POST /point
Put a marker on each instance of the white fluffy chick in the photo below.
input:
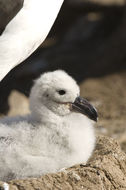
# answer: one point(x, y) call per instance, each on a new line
point(57, 134)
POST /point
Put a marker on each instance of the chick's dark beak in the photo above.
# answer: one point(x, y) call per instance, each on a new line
point(83, 106)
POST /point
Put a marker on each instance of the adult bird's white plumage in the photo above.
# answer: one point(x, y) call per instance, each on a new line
point(26, 31)
point(58, 133)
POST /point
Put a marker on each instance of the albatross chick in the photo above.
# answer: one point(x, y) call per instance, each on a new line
point(57, 134)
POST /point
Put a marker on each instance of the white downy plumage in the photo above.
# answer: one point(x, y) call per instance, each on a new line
point(26, 31)
point(55, 135)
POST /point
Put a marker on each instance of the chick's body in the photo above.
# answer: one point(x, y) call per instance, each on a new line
point(44, 141)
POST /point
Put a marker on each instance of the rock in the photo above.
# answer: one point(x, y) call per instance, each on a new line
point(105, 170)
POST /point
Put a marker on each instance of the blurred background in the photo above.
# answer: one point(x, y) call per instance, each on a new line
point(88, 40)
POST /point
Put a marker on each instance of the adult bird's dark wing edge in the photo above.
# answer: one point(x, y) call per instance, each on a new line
point(8, 9)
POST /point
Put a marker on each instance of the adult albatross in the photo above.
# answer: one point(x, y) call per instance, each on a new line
point(23, 33)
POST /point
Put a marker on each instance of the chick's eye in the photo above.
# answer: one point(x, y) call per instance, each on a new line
point(61, 92)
